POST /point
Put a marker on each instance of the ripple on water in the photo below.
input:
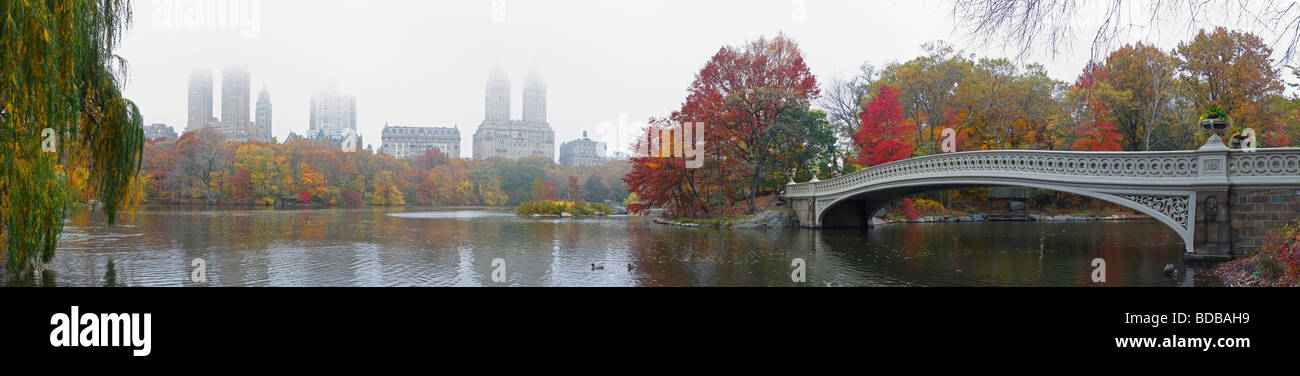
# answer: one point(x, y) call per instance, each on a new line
point(453, 214)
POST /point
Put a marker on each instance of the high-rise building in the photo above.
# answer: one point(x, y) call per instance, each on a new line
point(534, 98)
point(498, 136)
point(235, 93)
point(582, 152)
point(402, 142)
point(497, 101)
point(332, 116)
point(200, 99)
point(262, 128)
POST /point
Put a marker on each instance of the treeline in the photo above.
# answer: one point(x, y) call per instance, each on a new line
point(200, 167)
point(767, 120)
point(1138, 98)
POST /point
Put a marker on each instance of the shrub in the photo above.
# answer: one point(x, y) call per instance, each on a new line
point(1278, 262)
point(929, 207)
point(910, 209)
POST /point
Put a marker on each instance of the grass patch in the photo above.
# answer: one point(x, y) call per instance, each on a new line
point(714, 222)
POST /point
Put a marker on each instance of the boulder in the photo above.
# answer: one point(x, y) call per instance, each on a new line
point(566, 215)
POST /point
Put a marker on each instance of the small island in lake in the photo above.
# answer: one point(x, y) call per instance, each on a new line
point(561, 209)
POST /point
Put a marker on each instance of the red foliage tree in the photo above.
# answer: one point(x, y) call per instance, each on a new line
point(1096, 133)
point(882, 138)
point(574, 191)
point(352, 198)
point(667, 183)
point(1097, 136)
point(910, 209)
point(242, 187)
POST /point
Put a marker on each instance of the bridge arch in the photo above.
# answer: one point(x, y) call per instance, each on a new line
point(1173, 208)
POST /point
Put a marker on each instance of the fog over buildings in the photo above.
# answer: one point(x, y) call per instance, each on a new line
point(425, 62)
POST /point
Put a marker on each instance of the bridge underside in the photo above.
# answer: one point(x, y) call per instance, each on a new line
point(1175, 208)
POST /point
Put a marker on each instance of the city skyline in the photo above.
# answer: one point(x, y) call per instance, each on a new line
point(423, 63)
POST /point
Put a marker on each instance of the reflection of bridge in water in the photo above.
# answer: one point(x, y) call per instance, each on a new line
point(1219, 201)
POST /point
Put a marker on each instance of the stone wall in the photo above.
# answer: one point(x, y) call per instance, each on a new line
point(1256, 212)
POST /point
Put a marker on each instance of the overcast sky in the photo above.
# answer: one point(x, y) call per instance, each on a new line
point(425, 63)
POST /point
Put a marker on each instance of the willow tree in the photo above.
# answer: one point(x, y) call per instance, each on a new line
point(58, 72)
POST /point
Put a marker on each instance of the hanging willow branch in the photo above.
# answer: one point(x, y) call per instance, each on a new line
point(60, 73)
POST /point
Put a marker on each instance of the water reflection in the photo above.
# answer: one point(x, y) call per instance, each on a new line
point(455, 247)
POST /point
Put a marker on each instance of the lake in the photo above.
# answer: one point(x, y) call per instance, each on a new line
point(457, 246)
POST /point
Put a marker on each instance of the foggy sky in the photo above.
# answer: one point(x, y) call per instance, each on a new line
point(425, 63)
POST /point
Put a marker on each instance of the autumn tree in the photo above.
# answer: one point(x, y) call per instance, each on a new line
point(884, 134)
point(543, 190)
point(741, 92)
point(1089, 97)
point(1233, 70)
point(242, 187)
point(666, 182)
point(202, 156)
point(573, 191)
point(927, 91)
point(1146, 84)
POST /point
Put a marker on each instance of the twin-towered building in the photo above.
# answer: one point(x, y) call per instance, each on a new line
point(234, 124)
point(499, 136)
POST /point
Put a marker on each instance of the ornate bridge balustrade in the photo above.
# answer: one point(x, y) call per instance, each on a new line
point(1219, 201)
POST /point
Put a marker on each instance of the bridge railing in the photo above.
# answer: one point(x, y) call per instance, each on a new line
point(1161, 168)
point(1275, 162)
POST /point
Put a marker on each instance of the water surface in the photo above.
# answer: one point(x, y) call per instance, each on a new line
point(456, 246)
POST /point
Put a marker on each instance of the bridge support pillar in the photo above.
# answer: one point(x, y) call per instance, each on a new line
point(805, 211)
point(1212, 229)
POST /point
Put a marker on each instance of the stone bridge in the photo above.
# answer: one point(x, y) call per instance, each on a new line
point(1220, 201)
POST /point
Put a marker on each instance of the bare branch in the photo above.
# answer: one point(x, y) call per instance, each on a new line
point(1029, 26)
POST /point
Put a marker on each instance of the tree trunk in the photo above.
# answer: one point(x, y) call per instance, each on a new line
point(753, 193)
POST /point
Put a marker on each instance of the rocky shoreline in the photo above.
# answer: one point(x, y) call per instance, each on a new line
point(765, 220)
